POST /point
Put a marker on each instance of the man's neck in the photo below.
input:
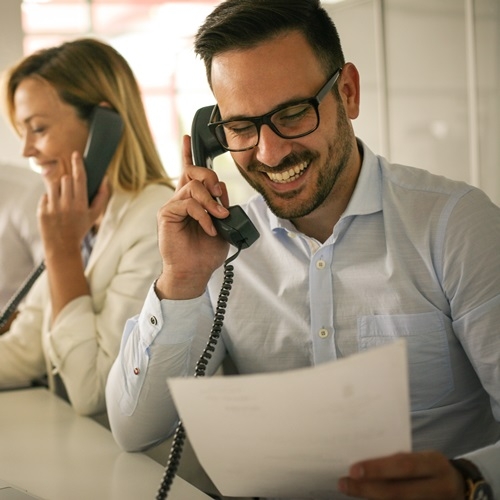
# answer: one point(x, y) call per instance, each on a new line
point(320, 222)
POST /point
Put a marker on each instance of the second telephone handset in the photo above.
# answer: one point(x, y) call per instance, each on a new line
point(105, 132)
point(237, 228)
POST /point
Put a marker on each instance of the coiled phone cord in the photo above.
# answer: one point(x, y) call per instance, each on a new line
point(16, 299)
point(180, 434)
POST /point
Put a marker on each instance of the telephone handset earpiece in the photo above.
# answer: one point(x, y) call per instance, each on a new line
point(105, 132)
point(236, 228)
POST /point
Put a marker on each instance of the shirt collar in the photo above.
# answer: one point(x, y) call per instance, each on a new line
point(367, 195)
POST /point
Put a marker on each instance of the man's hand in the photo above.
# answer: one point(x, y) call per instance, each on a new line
point(190, 248)
point(405, 476)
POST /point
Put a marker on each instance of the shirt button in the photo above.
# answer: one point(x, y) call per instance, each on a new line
point(323, 333)
point(137, 371)
point(321, 264)
point(153, 320)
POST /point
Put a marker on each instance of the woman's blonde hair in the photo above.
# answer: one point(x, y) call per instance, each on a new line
point(87, 72)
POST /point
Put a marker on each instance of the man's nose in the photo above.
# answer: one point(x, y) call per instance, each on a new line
point(272, 148)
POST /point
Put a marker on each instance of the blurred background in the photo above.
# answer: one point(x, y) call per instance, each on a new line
point(430, 74)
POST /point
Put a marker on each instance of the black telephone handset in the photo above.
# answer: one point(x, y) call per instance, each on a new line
point(236, 228)
point(105, 132)
point(106, 129)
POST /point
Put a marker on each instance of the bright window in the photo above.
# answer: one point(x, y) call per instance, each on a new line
point(156, 37)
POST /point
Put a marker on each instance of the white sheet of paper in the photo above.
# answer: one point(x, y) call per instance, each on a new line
point(295, 433)
point(181, 490)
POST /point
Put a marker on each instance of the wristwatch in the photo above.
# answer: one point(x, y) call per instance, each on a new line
point(476, 488)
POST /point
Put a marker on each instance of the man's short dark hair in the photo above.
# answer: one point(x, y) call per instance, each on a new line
point(243, 24)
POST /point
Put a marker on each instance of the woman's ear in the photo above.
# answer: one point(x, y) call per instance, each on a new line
point(349, 90)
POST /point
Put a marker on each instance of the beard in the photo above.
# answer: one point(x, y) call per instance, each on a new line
point(339, 152)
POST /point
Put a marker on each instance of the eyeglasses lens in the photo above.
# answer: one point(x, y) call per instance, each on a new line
point(290, 122)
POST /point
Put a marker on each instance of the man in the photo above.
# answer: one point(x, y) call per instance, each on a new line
point(353, 253)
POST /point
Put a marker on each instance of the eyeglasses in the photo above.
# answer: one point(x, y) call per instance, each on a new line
point(289, 121)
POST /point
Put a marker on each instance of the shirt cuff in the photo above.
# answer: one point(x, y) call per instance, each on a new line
point(488, 462)
point(169, 322)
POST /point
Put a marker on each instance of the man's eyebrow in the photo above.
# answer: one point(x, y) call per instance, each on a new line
point(284, 104)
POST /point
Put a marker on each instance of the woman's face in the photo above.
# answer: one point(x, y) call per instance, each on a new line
point(49, 127)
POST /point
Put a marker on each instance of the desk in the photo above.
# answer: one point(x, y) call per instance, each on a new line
point(53, 453)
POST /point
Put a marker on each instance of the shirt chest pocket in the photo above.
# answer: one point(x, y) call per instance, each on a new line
point(431, 377)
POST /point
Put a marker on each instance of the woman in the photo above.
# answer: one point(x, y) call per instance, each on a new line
point(100, 259)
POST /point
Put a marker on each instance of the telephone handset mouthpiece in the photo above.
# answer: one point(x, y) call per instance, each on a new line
point(236, 228)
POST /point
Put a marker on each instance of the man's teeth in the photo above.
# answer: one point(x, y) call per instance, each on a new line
point(289, 175)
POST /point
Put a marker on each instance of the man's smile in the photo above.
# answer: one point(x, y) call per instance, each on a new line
point(288, 175)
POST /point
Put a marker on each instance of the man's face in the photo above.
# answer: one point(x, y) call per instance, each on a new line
point(295, 176)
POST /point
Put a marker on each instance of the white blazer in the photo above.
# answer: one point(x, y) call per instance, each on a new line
point(83, 342)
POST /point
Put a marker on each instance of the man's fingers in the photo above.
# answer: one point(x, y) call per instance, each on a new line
point(198, 192)
point(405, 476)
point(401, 465)
point(192, 172)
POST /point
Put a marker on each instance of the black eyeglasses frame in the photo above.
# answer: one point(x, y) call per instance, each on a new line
point(265, 119)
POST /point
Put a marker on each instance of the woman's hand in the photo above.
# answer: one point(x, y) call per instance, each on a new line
point(64, 215)
point(65, 218)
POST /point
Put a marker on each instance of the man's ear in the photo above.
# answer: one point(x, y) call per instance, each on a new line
point(349, 90)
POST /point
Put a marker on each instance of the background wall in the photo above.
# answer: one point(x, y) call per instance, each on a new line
point(430, 78)
point(11, 49)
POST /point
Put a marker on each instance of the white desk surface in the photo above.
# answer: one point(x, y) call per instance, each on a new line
point(48, 450)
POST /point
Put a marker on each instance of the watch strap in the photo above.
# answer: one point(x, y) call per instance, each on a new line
point(474, 480)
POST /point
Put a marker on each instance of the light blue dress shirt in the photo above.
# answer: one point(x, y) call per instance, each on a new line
point(414, 255)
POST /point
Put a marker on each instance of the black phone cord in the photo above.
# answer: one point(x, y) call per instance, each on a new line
point(23, 290)
point(180, 434)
